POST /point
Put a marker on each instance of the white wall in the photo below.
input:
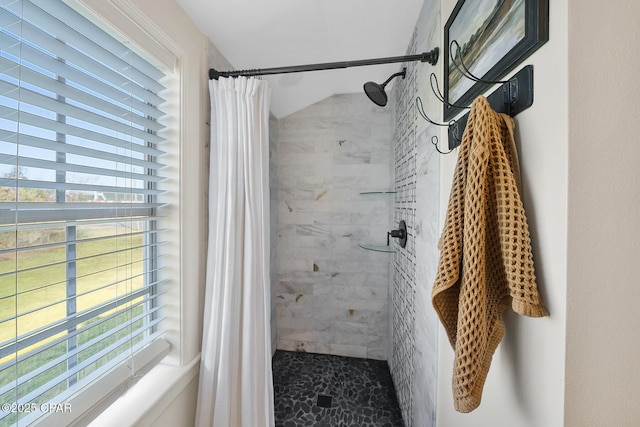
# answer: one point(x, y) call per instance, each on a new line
point(603, 283)
point(579, 154)
point(525, 385)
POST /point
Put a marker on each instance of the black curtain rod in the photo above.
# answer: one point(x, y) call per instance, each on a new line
point(430, 57)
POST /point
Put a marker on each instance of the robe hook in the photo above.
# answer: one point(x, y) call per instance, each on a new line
point(463, 69)
point(452, 125)
point(435, 141)
point(435, 88)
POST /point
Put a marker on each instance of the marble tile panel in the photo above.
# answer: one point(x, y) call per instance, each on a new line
point(273, 226)
point(292, 170)
point(378, 352)
point(305, 234)
point(331, 218)
point(379, 144)
point(296, 193)
point(353, 230)
point(289, 143)
point(289, 310)
point(348, 291)
point(325, 335)
point(313, 182)
point(353, 170)
point(374, 319)
point(319, 302)
point(325, 260)
point(304, 325)
point(361, 206)
point(338, 265)
point(296, 287)
point(379, 328)
point(378, 218)
point(305, 159)
point(377, 340)
point(321, 125)
point(287, 216)
point(293, 264)
point(348, 350)
point(331, 194)
point(342, 327)
point(332, 243)
point(374, 182)
point(311, 335)
point(351, 158)
point(287, 182)
point(376, 281)
point(308, 127)
point(285, 232)
point(307, 276)
point(323, 348)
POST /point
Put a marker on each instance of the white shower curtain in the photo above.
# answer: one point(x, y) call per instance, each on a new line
point(236, 387)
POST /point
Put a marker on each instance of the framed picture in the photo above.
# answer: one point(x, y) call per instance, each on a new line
point(493, 36)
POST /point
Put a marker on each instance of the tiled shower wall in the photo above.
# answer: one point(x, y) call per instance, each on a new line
point(332, 295)
point(403, 292)
point(273, 210)
point(414, 324)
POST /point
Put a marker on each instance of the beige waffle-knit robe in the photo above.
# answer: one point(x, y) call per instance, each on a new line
point(485, 251)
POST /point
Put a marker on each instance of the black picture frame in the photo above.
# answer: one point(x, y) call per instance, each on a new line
point(495, 36)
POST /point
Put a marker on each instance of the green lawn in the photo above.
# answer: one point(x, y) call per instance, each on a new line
point(38, 287)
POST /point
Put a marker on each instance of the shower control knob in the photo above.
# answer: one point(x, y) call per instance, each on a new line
point(397, 233)
point(400, 233)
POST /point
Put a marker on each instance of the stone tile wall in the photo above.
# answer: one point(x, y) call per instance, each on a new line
point(414, 331)
point(332, 295)
point(403, 266)
point(273, 208)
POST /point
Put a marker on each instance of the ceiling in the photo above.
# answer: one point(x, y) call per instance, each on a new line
point(276, 33)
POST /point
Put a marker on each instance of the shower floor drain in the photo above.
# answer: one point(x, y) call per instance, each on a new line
point(324, 401)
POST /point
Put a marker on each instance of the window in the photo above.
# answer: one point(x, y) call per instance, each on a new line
point(80, 190)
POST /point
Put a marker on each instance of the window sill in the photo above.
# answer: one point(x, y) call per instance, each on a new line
point(143, 403)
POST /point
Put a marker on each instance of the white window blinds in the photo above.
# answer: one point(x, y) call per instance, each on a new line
point(80, 188)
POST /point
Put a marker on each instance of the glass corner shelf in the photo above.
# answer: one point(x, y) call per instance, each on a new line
point(377, 192)
point(378, 248)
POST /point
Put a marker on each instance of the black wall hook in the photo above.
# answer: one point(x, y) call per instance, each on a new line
point(452, 125)
point(512, 97)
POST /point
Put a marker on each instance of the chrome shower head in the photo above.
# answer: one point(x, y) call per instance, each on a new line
point(375, 91)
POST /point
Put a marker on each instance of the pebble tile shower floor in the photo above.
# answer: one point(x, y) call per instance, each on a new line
point(333, 391)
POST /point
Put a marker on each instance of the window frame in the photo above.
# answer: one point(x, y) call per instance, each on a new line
point(162, 29)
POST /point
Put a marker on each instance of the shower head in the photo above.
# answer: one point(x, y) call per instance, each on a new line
point(375, 91)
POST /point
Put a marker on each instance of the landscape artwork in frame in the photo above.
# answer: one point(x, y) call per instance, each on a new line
point(493, 36)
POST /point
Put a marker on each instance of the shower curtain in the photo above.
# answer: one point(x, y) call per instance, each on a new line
point(236, 387)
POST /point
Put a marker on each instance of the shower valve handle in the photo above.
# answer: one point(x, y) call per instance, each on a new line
point(400, 233)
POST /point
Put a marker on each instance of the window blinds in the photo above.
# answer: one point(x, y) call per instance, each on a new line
point(80, 189)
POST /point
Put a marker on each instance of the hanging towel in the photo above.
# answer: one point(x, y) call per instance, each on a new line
point(485, 251)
